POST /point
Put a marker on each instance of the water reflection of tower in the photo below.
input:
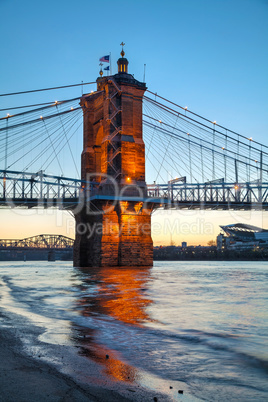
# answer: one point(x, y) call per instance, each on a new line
point(119, 293)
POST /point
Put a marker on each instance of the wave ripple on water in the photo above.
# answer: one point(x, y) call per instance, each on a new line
point(200, 325)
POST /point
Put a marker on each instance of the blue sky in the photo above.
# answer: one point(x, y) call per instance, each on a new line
point(210, 55)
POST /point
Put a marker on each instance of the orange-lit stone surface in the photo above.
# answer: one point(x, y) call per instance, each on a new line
point(97, 237)
point(114, 156)
point(106, 110)
point(119, 236)
point(135, 242)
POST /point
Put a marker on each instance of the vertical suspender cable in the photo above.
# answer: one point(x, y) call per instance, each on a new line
point(237, 155)
point(6, 146)
point(166, 150)
point(190, 158)
point(213, 156)
point(261, 166)
point(67, 140)
point(202, 162)
point(52, 145)
point(236, 171)
point(249, 158)
point(225, 168)
point(260, 184)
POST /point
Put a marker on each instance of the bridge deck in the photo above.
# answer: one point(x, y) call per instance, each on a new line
point(165, 203)
point(20, 189)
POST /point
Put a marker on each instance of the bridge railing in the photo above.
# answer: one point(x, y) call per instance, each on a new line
point(215, 194)
point(23, 185)
point(39, 189)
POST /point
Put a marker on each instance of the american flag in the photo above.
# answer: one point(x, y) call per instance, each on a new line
point(105, 58)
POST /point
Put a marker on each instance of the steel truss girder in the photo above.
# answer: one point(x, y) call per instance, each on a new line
point(20, 189)
point(44, 241)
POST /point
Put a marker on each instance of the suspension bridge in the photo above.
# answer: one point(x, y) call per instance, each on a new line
point(191, 161)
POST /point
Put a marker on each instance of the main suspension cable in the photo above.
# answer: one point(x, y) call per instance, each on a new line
point(48, 89)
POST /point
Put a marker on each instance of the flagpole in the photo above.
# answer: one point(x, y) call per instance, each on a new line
point(111, 63)
point(144, 73)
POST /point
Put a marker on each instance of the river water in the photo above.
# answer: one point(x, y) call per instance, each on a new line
point(200, 327)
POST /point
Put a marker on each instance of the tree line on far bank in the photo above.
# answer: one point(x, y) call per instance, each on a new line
point(173, 253)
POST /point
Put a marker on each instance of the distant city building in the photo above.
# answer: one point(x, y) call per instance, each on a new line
point(240, 236)
point(184, 244)
point(220, 242)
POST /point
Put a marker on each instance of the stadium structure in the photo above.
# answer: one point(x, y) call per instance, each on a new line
point(240, 235)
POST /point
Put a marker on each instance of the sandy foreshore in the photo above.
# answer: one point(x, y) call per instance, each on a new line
point(25, 378)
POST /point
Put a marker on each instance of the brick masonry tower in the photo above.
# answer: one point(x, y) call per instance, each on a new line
point(113, 228)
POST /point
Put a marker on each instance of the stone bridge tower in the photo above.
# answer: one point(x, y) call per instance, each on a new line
point(113, 228)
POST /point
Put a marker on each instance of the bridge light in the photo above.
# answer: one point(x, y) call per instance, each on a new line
point(236, 187)
point(223, 148)
point(188, 133)
point(8, 115)
point(250, 139)
point(214, 122)
point(56, 102)
point(186, 107)
point(160, 121)
point(128, 179)
point(41, 117)
point(256, 161)
point(72, 108)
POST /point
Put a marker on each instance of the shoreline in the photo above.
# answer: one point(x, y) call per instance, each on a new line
point(25, 378)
